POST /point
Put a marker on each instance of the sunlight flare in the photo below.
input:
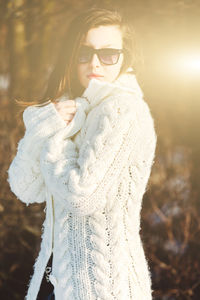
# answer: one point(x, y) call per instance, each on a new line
point(189, 64)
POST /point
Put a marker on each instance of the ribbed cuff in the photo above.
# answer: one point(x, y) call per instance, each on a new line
point(45, 119)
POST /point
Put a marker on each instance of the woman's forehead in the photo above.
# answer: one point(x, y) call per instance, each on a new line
point(103, 36)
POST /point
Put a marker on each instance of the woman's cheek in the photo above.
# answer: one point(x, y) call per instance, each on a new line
point(112, 75)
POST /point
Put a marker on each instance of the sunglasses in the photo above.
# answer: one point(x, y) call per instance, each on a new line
point(107, 56)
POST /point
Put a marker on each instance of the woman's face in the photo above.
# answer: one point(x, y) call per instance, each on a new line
point(108, 36)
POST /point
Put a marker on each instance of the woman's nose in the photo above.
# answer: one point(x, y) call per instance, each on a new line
point(95, 60)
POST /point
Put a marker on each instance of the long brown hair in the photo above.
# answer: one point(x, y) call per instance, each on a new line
point(63, 78)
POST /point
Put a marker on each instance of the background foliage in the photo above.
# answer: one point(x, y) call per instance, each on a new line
point(30, 31)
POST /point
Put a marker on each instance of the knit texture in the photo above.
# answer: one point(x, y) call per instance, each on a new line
point(92, 174)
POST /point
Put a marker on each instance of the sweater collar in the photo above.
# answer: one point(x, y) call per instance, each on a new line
point(98, 90)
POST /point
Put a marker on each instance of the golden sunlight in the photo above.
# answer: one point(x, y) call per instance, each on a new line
point(189, 64)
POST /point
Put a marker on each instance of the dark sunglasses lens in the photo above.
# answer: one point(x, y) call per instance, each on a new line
point(84, 55)
point(109, 56)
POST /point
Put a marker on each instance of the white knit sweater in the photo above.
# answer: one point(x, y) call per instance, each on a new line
point(92, 174)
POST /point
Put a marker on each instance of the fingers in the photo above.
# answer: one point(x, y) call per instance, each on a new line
point(70, 102)
point(69, 108)
point(66, 109)
point(68, 117)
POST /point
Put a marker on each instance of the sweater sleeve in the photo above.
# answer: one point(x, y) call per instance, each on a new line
point(24, 175)
point(80, 177)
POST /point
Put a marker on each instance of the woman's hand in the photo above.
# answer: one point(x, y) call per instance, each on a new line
point(66, 109)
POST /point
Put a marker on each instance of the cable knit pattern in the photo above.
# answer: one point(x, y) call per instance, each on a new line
point(93, 174)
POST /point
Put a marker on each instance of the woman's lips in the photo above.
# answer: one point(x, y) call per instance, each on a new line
point(94, 76)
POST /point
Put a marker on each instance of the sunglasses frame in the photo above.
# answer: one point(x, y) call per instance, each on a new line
point(98, 52)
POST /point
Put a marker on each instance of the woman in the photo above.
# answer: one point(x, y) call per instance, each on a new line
point(88, 153)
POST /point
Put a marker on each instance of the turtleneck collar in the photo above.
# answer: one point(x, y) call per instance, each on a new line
point(98, 90)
